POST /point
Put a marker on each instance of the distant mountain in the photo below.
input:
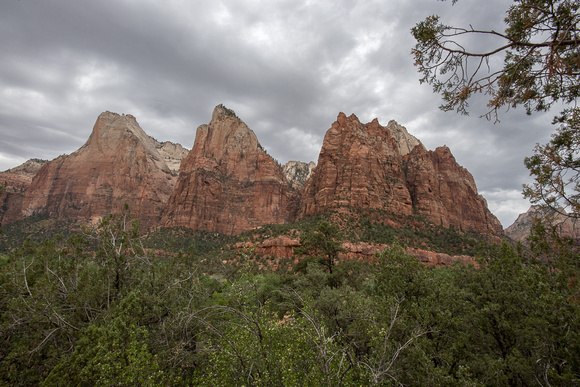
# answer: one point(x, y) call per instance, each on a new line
point(565, 226)
point(298, 172)
point(228, 183)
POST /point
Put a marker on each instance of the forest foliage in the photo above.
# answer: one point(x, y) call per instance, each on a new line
point(99, 308)
point(534, 63)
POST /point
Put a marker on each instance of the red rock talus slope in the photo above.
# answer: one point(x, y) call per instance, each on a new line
point(374, 167)
point(228, 183)
point(118, 164)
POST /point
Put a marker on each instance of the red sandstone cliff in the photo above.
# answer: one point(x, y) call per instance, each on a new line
point(446, 193)
point(118, 164)
point(374, 167)
point(358, 166)
point(13, 184)
point(228, 183)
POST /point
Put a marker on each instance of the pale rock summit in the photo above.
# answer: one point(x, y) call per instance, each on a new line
point(297, 172)
point(28, 168)
point(405, 141)
point(172, 154)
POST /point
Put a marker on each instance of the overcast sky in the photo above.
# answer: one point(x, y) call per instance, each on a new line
point(287, 68)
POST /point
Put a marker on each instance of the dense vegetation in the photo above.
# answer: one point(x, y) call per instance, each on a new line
point(98, 308)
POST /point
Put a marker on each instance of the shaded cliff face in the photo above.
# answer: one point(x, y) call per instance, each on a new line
point(13, 183)
point(446, 193)
point(358, 166)
point(118, 164)
point(228, 183)
point(385, 168)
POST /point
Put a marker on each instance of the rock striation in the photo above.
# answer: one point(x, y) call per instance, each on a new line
point(359, 165)
point(446, 193)
point(228, 183)
point(118, 164)
point(385, 168)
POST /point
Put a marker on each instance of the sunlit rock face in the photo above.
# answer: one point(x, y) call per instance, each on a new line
point(228, 183)
point(118, 164)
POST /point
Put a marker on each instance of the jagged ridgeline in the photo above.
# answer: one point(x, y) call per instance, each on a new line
point(227, 183)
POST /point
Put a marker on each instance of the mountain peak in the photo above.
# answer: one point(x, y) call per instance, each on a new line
point(118, 164)
point(228, 183)
point(222, 111)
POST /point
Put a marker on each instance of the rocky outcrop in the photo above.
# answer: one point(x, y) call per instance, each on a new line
point(228, 183)
point(172, 154)
point(297, 172)
point(280, 247)
point(359, 166)
point(445, 192)
point(566, 226)
point(118, 164)
point(283, 247)
point(13, 184)
point(385, 168)
point(28, 169)
point(405, 142)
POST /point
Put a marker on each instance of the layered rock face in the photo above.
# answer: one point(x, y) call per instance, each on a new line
point(228, 183)
point(13, 183)
point(446, 193)
point(385, 168)
point(118, 164)
point(566, 226)
point(358, 166)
